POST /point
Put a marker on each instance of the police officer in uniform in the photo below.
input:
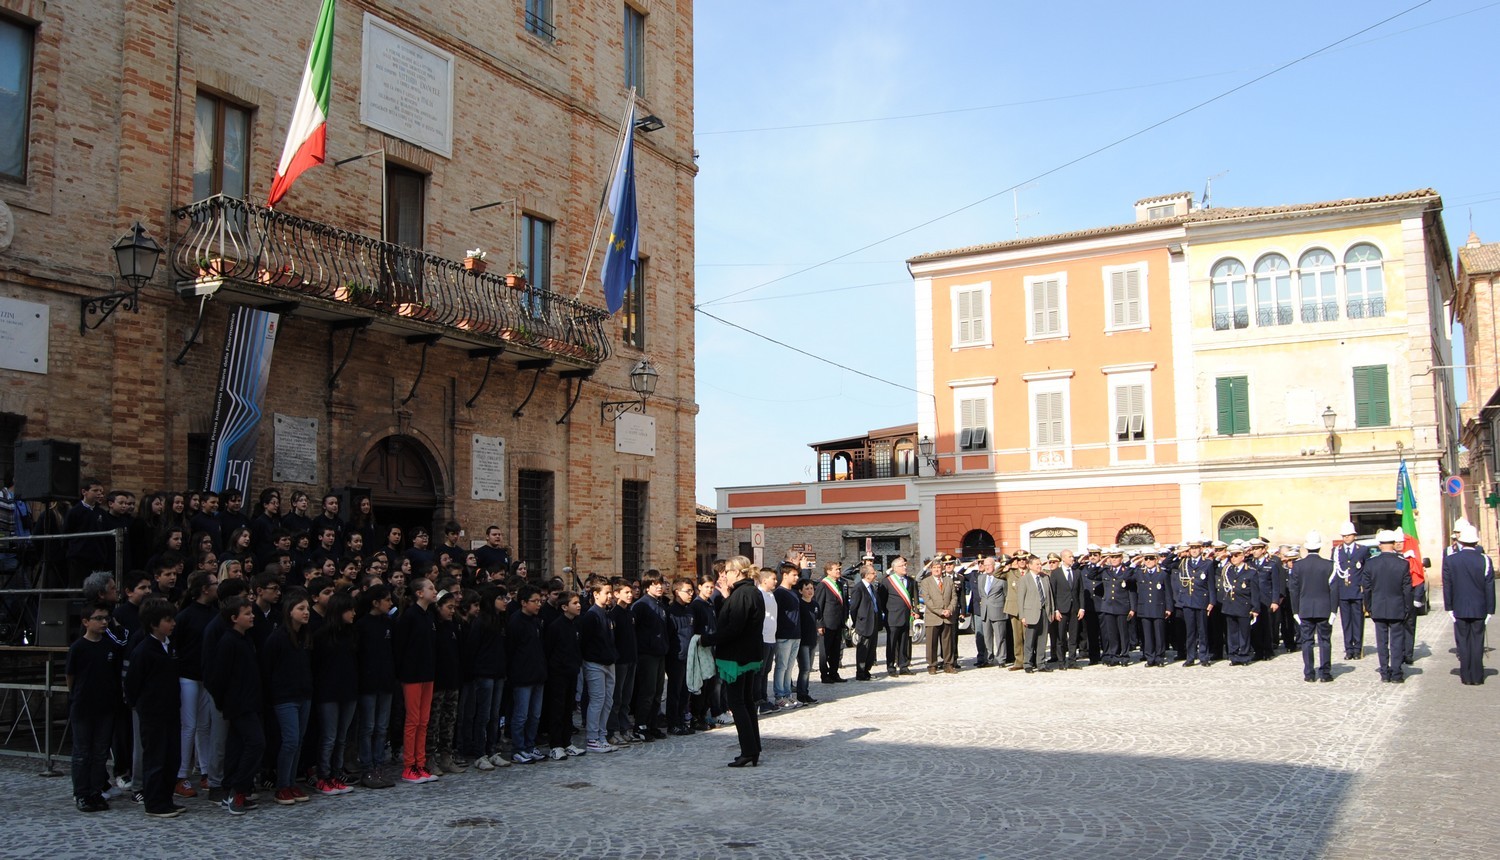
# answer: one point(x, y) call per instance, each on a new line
point(1193, 581)
point(1153, 606)
point(1312, 593)
point(1387, 586)
point(1239, 596)
point(1469, 594)
point(1348, 564)
point(1115, 601)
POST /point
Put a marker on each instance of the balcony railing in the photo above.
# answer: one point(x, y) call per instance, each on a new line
point(1320, 311)
point(1363, 309)
point(229, 239)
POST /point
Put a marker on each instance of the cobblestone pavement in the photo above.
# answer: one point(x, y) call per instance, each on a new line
point(1224, 762)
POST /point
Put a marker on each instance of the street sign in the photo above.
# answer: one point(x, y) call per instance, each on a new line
point(1454, 486)
point(758, 544)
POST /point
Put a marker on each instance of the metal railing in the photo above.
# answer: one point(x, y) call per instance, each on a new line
point(1236, 319)
point(1362, 309)
point(1279, 315)
point(1320, 311)
point(227, 238)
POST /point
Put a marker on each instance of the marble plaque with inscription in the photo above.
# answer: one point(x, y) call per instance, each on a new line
point(406, 87)
point(635, 434)
point(296, 460)
point(23, 335)
point(489, 468)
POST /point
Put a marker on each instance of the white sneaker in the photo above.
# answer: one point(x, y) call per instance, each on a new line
point(597, 747)
point(499, 760)
point(574, 751)
point(558, 754)
point(483, 763)
point(725, 719)
point(789, 703)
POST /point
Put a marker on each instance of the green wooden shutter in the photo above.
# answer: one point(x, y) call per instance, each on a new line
point(1233, 404)
point(1225, 390)
point(1241, 404)
point(1372, 402)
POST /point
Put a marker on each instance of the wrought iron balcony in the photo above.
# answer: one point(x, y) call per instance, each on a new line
point(264, 257)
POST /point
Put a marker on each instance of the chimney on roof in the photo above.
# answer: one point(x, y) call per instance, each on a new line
point(1473, 240)
point(1167, 206)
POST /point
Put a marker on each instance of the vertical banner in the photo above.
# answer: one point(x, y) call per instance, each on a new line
point(242, 388)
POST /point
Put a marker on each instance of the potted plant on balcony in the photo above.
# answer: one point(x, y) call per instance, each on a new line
point(417, 311)
point(354, 292)
point(214, 267)
point(517, 332)
point(516, 277)
point(474, 261)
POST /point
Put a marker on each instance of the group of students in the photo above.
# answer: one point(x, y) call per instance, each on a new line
point(263, 687)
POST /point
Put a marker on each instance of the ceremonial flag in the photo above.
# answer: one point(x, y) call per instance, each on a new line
point(1406, 503)
point(622, 252)
point(306, 139)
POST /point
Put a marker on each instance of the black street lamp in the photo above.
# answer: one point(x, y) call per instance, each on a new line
point(136, 256)
point(1329, 419)
point(643, 382)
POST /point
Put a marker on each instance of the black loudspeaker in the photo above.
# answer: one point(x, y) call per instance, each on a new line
point(59, 621)
point(47, 470)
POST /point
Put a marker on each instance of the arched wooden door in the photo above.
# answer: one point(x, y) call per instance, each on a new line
point(402, 477)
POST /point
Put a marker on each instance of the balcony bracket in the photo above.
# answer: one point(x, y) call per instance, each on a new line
point(425, 340)
point(192, 339)
point(357, 326)
point(489, 361)
point(539, 365)
point(568, 376)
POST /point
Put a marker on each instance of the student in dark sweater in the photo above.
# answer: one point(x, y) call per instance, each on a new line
point(809, 641)
point(679, 636)
point(286, 662)
point(199, 608)
point(93, 673)
point(151, 688)
point(235, 682)
point(526, 674)
point(596, 643)
point(377, 681)
point(707, 704)
point(447, 678)
point(335, 654)
point(621, 729)
point(563, 662)
point(416, 658)
point(650, 615)
point(484, 665)
point(125, 632)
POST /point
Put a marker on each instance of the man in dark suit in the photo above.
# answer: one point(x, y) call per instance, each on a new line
point(898, 594)
point(1034, 608)
point(1312, 594)
point(864, 608)
point(973, 582)
point(832, 612)
point(1067, 608)
point(1387, 584)
point(1348, 563)
point(1469, 595)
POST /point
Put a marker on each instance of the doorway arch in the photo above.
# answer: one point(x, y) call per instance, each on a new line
point(404, 483)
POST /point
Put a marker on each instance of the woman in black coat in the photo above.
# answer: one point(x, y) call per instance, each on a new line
point(737, 654)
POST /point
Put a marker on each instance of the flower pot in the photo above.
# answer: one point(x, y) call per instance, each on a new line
point(473, 325)
point(475, 265)
point(515, 282)
point(416, 311)
point(214, 268)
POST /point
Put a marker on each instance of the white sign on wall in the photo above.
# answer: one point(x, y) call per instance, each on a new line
point(635, 434)
point(296, 459)
point(23, 335)
point(488, 467)
point(406, 87)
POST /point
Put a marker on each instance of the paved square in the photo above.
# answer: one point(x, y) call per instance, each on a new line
point(1131, 762)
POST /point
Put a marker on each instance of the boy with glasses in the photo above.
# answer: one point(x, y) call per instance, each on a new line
point(93, 673)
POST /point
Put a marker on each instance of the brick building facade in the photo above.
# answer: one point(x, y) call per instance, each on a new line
point(126, 114)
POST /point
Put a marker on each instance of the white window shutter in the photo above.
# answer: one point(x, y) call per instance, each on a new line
point(1054, 307)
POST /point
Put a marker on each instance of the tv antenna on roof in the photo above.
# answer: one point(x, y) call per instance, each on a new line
point(1015, 199)
point(1208, 187)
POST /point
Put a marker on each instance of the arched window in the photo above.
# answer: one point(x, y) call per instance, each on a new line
point(1364, 282)
point(906, 457)
point(1230, 295)
point(843, 466)
point(1317, 277)
point(978, 542)
point(1135, 534)
point(1238, 525)
point(1273, 290)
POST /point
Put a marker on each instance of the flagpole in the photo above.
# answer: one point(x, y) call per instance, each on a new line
point(614, 165)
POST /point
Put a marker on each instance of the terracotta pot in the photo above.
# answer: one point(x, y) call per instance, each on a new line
point(516, 282)
point(475, 265)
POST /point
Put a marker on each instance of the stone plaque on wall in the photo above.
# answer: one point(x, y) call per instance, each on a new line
point(406, 87)
point(489, 468)
point(635, 434)
point(296, 457)
point(23, 335)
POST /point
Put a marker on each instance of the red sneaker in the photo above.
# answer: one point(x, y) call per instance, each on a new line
point(299, 795)
point(184, 788)
point(285, 796)
point(325, 787)
point(413, 775)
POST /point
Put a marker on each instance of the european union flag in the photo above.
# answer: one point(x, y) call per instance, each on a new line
point(622, 251)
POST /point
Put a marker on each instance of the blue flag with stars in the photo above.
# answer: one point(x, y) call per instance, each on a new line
point(622, 252)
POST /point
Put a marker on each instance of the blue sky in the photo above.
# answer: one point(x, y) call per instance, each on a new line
point(1013, 91)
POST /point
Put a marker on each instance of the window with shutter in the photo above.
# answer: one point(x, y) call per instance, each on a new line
point(1372, 406)
point(1045, 300)
point(1233, 396)
point(1049, 419)
point(973, 413)
point(969, 313)
point(1125, 296)
point(1130, 412)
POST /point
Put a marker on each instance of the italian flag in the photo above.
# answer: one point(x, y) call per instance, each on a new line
point(306, 139)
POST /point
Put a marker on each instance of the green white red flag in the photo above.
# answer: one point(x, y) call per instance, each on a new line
point(306, 139)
